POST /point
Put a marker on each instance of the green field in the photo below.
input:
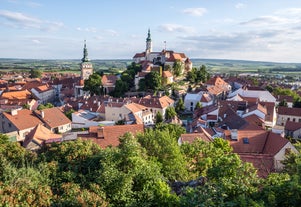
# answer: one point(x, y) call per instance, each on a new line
point(214, 66)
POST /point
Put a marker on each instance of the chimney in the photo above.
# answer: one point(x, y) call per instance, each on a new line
point(42, 114)
point(100, 134)
point(234, 134)
point(98, 103)
point(14, 112)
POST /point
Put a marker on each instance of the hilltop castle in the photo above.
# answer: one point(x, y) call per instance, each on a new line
point(165, 57)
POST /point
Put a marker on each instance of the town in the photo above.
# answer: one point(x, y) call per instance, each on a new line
point(259, 119)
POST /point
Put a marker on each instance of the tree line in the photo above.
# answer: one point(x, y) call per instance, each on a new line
point(142, 171)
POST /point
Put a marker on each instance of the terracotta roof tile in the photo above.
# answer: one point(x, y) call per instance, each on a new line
point(109, 135)
point(24, 119)
point(289, 111)
point(292, 126)
point(189, 138)
point(53, 117)
point(41, 135)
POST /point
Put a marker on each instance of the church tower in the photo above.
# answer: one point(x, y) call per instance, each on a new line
point(148, 43)
point(86, 66)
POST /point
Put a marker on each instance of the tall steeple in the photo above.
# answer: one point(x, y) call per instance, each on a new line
point(86, 65)
point(148, 42)
point(85, 57)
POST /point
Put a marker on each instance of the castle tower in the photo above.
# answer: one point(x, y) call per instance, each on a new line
point(86, 66)
point(148, 43)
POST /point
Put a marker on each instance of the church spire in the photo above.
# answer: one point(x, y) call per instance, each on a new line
point(148, 36)
point(148, 42)
point(85, 58)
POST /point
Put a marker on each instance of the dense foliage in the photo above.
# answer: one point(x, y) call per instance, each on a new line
point(141, 172)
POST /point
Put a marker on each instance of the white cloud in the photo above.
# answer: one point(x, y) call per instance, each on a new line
point(20, 20)
point(240, 6)
point(195, 11)
point(289, 11)
point(36, 41)
point(269, 20)
point(111, 32)
point(175, 28)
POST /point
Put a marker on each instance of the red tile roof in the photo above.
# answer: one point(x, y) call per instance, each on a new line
point(289, 111)
point(53, 117)
point(41, 135)
point(24, 119)
point(189, 138)
point(292, 126)
point(109, 135)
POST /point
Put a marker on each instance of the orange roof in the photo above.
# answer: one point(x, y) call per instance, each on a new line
point(133, 107)
point(109, 135)
point(41, 135)
point(24, 94)
point(24, 119)
point(53, 117)
point(189, 138)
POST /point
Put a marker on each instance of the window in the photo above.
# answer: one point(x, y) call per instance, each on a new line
point(245, 140)
point(9, 125)
point(288, 119)
point(191, 103)
point(294, 120)
point(299, 120)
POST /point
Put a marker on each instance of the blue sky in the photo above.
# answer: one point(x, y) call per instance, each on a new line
point(263, 30)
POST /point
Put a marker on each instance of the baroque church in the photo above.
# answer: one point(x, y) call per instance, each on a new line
point(86, 68)
point(148, 58)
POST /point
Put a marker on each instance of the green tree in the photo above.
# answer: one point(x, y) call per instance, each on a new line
point(159, 118)
point(180, 106)
point(69, 113)
point(45, 106)
point(163, 146)
point(153, 80)
point(93, 84)
point(135, 67)
point(177, 68)
point(170, 113)
point(121, 87)
point(35, 73)
point(198, 105)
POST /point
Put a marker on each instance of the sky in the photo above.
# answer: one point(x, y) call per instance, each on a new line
point(260, 30)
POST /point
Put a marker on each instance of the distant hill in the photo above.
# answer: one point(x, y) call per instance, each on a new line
point(117, 65)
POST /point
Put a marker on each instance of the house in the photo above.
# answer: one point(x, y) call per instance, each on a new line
point(293, 129)
point(21, 121)
point(54, 119)
point(285, 114)
point(205, 116)
point(164, 58)
point(106, 136)
point(264, 149)
point(167, 77)
point(85, 119)
point(288, 100)
point(39, 137)
point(191, 100)
point(108, 83)
point(13, 99)
point(155, 104)
point(263, 96)
point(130, 112)
point(44, 94)
point(191, 137)
point(217, 87)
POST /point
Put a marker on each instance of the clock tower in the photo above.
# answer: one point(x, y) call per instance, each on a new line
point(86, 66)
